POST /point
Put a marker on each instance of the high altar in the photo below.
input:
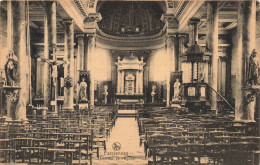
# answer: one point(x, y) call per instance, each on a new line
point(130, 71)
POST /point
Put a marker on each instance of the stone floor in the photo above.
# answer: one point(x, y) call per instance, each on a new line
point(125, 134)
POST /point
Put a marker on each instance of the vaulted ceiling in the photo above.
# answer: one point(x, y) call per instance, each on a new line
point(131, 18)
point(133, 21)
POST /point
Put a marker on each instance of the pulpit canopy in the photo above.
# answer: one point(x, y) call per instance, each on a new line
point(196, 53)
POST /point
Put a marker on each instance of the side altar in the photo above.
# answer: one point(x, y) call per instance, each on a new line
point(130, 71)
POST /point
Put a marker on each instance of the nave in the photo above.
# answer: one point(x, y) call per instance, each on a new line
point(154, 136)
point(71, 71)
point(126, 134)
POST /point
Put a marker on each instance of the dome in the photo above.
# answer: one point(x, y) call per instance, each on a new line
point(131, 18)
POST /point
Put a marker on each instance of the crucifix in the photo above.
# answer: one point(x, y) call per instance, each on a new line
point(54, 64)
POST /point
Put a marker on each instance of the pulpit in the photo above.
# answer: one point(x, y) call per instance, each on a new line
point(130, 79)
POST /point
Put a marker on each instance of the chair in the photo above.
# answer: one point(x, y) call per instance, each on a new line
point(6, 151)
point(163, 150)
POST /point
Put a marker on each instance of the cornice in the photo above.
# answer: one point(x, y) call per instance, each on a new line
point(73, 12)
point(90, 23)
point(130, 43)
point(192, 8)
point(81, 7)
point(180, 8)
point(130, 38)
point(126, 47)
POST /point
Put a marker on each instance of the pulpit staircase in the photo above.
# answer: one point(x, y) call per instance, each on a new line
point(224, 106)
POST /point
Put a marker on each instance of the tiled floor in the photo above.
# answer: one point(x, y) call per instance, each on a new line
point(126, 134)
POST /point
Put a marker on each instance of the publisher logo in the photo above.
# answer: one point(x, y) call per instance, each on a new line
point(116, 146)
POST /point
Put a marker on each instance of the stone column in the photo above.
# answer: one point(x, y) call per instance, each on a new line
point(141, 78)
point(79, 63)
point(19, 45)
point(172, 28)
point(69, 67)
point(123, 81)
point(91, 47)
point(50, 41)
point(137, 82)
point(118, 81)
point(9, 47)
point(246, 44)
point(85, 61)
point(46, 68)
point(176, 60)
point(50, 9)
point(9, 26)
point(239, 73)
point(212, 46)
point(182, 39)
point(80, 56)
point(171, 57)
point(90, 24)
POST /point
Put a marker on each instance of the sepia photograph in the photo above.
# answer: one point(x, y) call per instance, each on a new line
point(129, 82)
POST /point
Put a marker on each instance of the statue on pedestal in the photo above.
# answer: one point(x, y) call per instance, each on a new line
point(105, 93)
point(11, 67)
point(176, 87)
point(153, 92)
point(83, 98)
point(253, 69)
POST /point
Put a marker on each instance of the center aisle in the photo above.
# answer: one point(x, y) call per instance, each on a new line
point(125, 134)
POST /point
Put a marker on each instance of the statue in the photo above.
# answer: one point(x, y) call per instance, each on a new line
point(153, 92)
point(253, 68)
point(54, 64)
point(106, 88)
point(106, 93)
point(11, 69)
point(176, 87)
point(83, 90)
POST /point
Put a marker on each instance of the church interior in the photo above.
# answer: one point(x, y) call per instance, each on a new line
point(157, 82)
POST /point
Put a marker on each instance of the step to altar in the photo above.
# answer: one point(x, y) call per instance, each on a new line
point(127, 113)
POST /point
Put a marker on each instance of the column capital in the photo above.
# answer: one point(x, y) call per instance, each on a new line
point(180, 35)
point(171, 35)
point(216, 2)
point(93, 17)
point(90, 22)
point(169, 18)
point(49, 2)
point(171, 23)
point(68, 21)
point(90, 35)
point(80, 35)
point(194, 20)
